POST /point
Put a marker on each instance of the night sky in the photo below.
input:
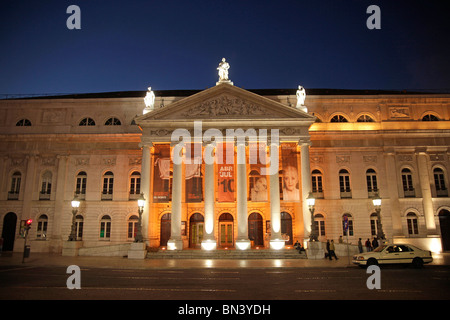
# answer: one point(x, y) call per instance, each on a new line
point(129, 45)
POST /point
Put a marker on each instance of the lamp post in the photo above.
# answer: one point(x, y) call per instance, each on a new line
point(75, 206)
point(141, 204)
point(377, 204)
point(311, 203)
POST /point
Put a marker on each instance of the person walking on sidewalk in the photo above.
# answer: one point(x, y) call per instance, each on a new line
point(368, 245)
point(360, 247)
point(331, 252)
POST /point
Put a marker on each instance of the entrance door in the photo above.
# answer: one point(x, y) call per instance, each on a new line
point(165, 229)
point(255, 229)
point(226, 230)
point(196, 230)
point(9, 231)
point(226, 234)
point(444, 222)
point(286, 226)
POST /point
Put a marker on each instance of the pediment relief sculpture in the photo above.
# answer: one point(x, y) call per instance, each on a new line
point(225, 106)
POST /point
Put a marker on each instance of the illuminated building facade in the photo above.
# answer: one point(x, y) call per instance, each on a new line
point(343, 147)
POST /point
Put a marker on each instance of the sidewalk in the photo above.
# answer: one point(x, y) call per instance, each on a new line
point(46, 259)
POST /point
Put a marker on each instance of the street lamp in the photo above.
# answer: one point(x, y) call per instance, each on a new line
point(311, 201)
point(75, 206)
point(377, 204)
point(141, 204)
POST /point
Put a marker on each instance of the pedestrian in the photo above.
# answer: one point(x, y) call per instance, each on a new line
point(331, 252)
point(375, 243)
point(327, 254)
point(360, 247)
point(341, 240)
point(368, 245)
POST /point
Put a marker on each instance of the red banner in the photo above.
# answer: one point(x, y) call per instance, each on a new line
point(226, 176)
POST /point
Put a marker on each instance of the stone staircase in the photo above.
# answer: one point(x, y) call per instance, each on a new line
point(227, 254)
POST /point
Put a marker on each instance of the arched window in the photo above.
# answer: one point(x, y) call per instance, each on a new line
point(439, 182)
point(344, 184)
point(365, 118)
point(87, 122)
point(135, 185)
point(374, 224)
point(13, 193)
point(371, 180)
point(80, 186)
point(79, 226)
point(108, 184)
point(113, 121)
point(407, 182)
point(430, 117)
point(46, 186)
point(105, 228)
point(41, 232)
point(320, 224)
point(132, 227)
point(338, 118)
point(317, 186)
point(23, 123)
point(350, 224)
point(412, 222)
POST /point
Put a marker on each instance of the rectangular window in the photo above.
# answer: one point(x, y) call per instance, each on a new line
point(317, 183)
point(350, 228)
point(413, 227)
point(105, 230)
point(81, 185)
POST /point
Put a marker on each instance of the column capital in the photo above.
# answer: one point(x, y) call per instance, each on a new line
point(303, 142)
point(421, 150)
point(147, 144)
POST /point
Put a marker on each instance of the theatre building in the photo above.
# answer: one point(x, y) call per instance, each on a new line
point(224, 167)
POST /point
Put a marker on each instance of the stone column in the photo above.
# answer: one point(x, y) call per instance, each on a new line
point(242, 242)
point(145, 187)
point(427, 201)
point(306, 186)
point(209, 240)
point(394, 205)
point(59, 199)
point(175, 242)
point(275, 215)
point(28, 190)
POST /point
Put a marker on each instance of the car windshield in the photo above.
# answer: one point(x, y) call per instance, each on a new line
point(380, 248)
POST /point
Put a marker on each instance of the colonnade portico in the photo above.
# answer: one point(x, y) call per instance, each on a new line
point(220, 110)
point(210, 182)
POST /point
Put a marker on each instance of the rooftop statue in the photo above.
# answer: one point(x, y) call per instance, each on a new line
point(301, 96)
point(223, 72)
point(149, 101)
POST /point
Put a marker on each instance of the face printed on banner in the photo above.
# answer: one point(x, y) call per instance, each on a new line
point(291, 190)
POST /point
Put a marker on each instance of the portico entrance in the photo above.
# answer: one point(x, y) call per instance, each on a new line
point(255, 229)
point(165, 229)
point(226, 230)
point(444, 222)
point(196, 223)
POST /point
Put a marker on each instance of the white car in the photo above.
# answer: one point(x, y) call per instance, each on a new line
point(394, 253)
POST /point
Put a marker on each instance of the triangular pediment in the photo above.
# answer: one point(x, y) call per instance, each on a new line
point(224, 102)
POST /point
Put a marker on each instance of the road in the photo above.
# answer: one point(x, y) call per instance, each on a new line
point(49, 283)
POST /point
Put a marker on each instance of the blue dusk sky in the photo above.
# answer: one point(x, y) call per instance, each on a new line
point(128, 45)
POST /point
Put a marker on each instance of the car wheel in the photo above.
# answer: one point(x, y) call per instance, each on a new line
point(372, 262)
point(417, 263)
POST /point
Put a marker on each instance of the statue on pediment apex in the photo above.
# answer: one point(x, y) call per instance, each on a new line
point(223, 72)
point(149, 101)
point(301, 96)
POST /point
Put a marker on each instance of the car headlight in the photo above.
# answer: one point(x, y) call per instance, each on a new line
point(359, 258)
